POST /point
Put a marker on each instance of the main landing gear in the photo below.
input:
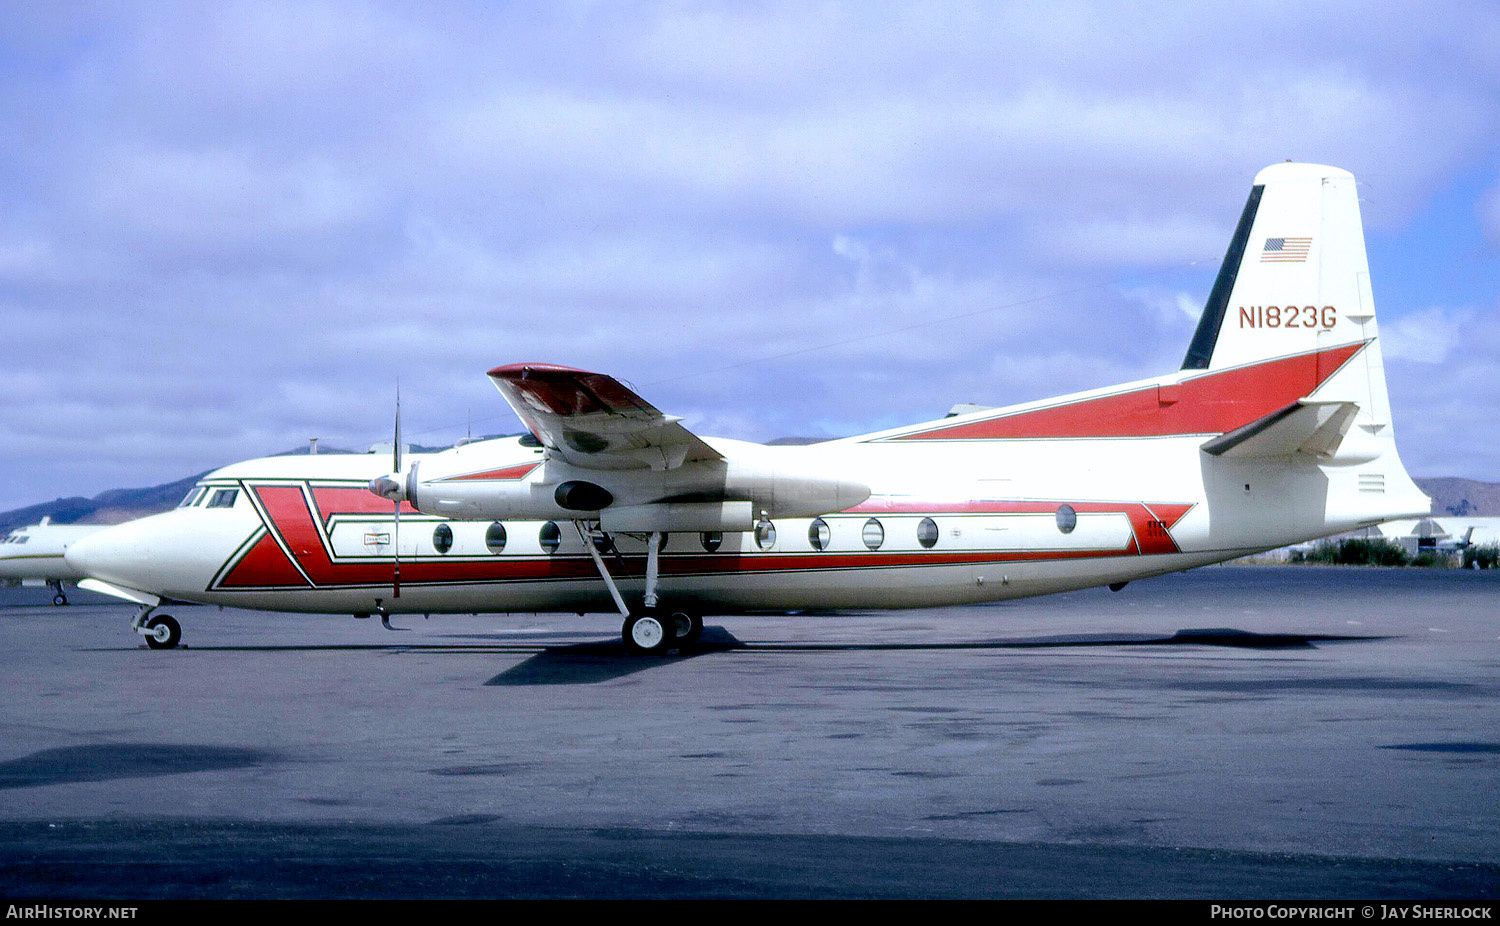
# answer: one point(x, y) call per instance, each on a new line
point(160, 630)
point(650, 630)
point(655, 631)
point(58, 597)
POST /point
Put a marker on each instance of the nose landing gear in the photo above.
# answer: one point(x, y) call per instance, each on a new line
point(160, 630)
point(163, 632)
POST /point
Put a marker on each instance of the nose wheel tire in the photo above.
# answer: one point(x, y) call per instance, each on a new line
point(647, 634)
point(163, 632)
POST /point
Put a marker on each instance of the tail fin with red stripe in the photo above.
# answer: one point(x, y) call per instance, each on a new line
point(1295, 283)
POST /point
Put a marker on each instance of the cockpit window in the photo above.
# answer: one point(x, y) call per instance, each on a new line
point(195, 494)
point(223, 498)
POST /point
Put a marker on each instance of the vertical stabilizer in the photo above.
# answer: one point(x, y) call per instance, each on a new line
point(1296, 283)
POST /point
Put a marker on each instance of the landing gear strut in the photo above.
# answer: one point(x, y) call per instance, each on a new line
point(651, 630)
point(58, 597)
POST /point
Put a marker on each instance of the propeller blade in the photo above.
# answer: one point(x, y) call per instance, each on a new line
point(395, 497)
point(396, 551)
point(396, 449)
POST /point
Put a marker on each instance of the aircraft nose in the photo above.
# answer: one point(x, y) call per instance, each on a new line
point(172, 555)
point(102, 555)
point(131, 554)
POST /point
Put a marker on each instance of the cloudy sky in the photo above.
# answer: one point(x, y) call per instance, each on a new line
point(228, 227)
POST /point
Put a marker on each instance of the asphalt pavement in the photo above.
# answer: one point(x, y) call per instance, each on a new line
point(1232, 732)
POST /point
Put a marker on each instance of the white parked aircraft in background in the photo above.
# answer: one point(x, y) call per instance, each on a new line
point(33, 555)
point(1275, 430)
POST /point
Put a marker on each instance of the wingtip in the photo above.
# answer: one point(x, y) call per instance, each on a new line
point(523, 370)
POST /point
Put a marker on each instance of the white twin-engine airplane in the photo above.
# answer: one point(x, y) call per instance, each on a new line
point(33, 555)
point(1276, 430)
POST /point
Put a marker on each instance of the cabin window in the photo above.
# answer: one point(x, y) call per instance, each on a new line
point(927, 533)
point(442, 538)
point(873, 535)
point(819, 535)
point(711, 540)
point(550, 537)
point(494, 538)
point(223, 498)
point(1067, 519)
point(765, 534)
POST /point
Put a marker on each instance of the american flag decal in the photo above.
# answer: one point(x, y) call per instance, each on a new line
point(1285, 250)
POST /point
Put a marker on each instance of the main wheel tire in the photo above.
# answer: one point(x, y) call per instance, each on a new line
point(59, 599)
point(165, 633)
point(647, 634)
point(687, 627)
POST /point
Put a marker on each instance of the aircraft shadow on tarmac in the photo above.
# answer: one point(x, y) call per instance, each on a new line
point(110, 761)
point(587, 663)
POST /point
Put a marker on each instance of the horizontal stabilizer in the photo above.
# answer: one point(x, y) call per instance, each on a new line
point(1305, 426)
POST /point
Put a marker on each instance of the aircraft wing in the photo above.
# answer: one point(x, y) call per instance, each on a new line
point(594, 421)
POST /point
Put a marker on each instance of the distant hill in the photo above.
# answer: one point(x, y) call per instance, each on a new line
point(109, 507)
point(1462, 497)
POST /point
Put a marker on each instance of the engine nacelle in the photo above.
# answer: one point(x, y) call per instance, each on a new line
point(501, 479)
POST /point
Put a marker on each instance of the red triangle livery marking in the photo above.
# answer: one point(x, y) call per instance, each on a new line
point(264, 564)
point(293, 521)
point(1209, 404)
